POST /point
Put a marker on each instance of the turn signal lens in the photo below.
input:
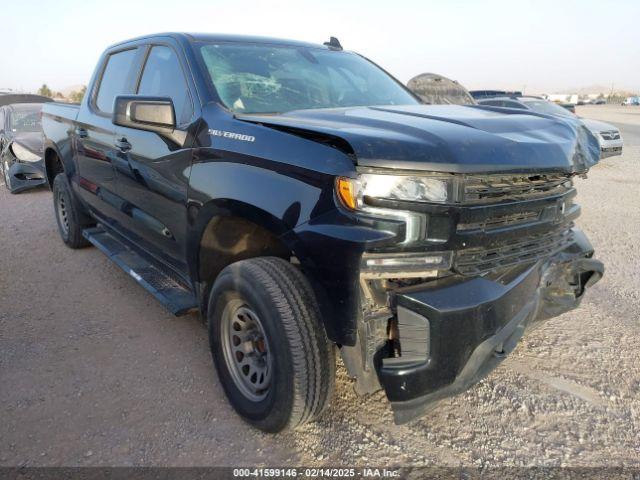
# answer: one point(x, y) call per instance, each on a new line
point(347, 192)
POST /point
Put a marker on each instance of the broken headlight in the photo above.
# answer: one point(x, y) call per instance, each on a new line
point(23, 154)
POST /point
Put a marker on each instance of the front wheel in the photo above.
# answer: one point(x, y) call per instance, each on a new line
point(272, 355)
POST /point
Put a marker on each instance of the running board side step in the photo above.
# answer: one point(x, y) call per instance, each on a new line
point(169, 289)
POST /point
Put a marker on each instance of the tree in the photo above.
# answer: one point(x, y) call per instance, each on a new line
point(45, 91)
point(77, 96)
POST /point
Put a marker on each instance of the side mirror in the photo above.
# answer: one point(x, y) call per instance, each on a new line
point(155, 114)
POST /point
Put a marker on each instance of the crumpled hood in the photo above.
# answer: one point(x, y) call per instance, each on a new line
point(449, 138)
point(32, 141)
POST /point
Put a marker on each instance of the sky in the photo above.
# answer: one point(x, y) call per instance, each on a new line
point(536, 46)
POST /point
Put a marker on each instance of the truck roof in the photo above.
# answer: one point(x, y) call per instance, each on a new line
point(224, 37)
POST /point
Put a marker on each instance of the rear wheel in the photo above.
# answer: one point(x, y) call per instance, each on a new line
point(273, 358)
point(68, 213)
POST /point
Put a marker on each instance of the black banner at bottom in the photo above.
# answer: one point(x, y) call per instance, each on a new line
point(202, 473)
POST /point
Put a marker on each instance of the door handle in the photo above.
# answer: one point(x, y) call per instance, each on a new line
point(123, 145)
point(82, 132)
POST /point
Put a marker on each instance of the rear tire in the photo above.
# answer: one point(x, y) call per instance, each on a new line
point(68, 213)
point(272, 355)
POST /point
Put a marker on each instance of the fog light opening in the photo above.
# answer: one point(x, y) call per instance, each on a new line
point(405, 265)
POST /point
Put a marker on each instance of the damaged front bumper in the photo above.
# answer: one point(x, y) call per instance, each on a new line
point(456, 330)
point(23, 176)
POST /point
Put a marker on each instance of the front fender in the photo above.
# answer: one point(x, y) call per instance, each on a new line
point(278, 181)
point(284, 200)
point(201, 216)
point(276, 201)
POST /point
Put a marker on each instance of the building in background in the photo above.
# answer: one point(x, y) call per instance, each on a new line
point(562, 97)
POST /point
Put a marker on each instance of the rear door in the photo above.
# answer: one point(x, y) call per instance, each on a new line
point(154, 179)
point(95, 132)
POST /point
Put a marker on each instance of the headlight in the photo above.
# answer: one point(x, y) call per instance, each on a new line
point(358, 193)
point(411, 188)
point(23, 154)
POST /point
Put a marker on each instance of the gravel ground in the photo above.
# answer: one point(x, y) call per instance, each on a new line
point(93, 371)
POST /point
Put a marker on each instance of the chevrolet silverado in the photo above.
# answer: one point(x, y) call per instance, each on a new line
point(307, 203)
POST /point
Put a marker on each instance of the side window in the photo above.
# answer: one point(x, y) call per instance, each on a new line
point(163, 77)
point(1, 119)
point(114, 79)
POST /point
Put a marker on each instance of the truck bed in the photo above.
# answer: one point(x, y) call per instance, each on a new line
point(58, 121)
point(60, 110)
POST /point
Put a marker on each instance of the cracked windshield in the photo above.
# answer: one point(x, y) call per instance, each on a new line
point(275, 79)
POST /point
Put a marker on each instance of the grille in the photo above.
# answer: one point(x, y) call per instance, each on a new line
point(476, 261)
point(495, 188)
point(612, 135)
point(502, 221)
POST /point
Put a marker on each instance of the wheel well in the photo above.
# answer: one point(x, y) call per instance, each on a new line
point(53, 165)
point(229, 239)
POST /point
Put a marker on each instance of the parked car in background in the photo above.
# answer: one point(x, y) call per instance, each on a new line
point(21, 146)
point(435, 89)
point(562, 97)
point(568, 106)
point(632, 101)
point(479, 94)
point(608, 135)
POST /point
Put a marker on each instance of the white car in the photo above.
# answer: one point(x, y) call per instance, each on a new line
point(608, 135)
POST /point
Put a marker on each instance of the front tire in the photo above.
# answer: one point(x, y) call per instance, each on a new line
point(67, 213)
point(272, 355)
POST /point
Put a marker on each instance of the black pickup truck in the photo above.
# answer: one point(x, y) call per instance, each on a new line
point(307, 203)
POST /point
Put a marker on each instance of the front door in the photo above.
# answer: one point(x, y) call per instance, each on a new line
point(153, 171)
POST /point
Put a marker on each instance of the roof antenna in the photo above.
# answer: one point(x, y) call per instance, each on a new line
point(333, 43)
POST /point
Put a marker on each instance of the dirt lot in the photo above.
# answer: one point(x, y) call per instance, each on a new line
point(93, 371)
